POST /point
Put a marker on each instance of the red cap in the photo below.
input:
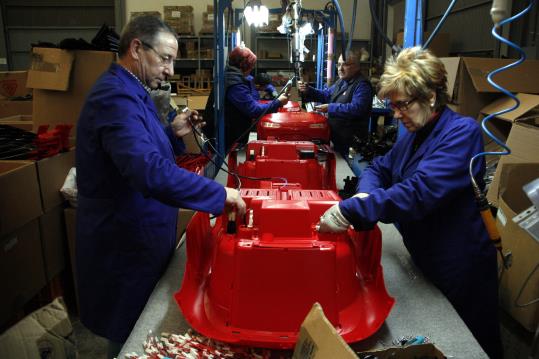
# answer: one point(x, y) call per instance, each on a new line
point(242, 58)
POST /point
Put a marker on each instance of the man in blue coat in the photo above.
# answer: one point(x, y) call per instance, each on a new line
point(129, 185)
point(348, 103)
point(423, 186)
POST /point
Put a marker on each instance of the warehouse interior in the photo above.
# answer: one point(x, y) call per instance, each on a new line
point(269, 179)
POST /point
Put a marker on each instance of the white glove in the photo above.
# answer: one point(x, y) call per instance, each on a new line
point(332, 221)
point(361, 195)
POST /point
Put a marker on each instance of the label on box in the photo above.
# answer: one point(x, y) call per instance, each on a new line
point(210, 17)
point(501, 217)
point(176, 14)
point(529, 221)
point(274, 17)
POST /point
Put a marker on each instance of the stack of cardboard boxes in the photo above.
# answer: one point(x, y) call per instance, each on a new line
point(519, 129)
point(32, 228)
point(15, 100)
point(180, 18)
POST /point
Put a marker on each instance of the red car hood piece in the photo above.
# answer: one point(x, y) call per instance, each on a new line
point(294, 126)
point(287, 162)
point(255, 286)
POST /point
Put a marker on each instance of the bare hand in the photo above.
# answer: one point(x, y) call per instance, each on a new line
point(283, 99)
point(183, 122)
point(234, 202)
point(322, 108)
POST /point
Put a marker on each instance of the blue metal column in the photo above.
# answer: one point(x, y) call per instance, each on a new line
point(320, 59)
point(218, 75)
point(413, 31)
point(413, 23)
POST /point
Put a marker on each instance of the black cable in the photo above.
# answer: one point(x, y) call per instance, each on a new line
point(352, 27)
point(522, 290)
point(394, 47)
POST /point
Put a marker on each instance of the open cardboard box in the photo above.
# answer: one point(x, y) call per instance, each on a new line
point(519, 129)
point(468, 86)
point(13, 84)
point(318, 339)
point(61, 81)
point(524, 248)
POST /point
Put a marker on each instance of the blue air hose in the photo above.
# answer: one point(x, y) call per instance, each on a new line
point(440, 23)
point(341, 22)
point(498, 13)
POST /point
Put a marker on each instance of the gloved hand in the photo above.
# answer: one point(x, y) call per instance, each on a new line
point(283, 99)
point(332, 221)
point(183, 122)
point(361, 195)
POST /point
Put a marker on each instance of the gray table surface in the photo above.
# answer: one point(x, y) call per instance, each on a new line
point(420, 308)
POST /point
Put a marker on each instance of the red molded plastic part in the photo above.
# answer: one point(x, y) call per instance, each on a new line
point(294, 126)
point(254, 287)
point(284, 163)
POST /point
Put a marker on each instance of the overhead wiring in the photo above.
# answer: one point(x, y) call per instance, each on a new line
point(394, 47)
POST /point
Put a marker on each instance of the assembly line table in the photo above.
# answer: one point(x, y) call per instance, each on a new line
point(420, 308)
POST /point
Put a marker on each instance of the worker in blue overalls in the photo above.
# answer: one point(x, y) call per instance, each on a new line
point(348, 103)
point(129, 186)
point(423, 186)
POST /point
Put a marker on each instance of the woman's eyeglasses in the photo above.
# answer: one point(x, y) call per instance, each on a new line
point(402, 105)
point(165, 60)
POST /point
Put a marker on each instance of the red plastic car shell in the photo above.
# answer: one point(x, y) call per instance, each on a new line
point(294, 126)
point(254, 287)
point(285, 162)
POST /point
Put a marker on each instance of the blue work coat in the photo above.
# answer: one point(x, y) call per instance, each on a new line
point(242, 106)
point(349, 110)
point(129, 191)
point(428, 194)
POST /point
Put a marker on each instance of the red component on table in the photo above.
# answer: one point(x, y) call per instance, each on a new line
point(253, 282)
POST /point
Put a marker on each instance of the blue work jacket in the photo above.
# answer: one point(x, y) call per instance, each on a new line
point(428, 195)
point(129, 191)
point(349, 109)
point(242, 106)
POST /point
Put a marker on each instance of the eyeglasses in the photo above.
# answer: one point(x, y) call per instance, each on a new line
point(341, 64)
point(166, 60)
point(402, 105)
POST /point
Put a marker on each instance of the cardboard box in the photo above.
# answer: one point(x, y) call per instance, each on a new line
point(439, 46)
point(19, 195)
point(53, 240)
point(52, 172)
point(43, 334)
point(523, 136)
point(318, 339)
point(50, 69)
point(13, 83)
point(70, 218)
point(524, 249)
point(184, 216)
point(75, 81)
point(467, 81)
point(197, 102)
point(22, 271)
point(24, 122)
point(13, 108)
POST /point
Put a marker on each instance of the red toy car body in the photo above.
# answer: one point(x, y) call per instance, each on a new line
point(286, 162)
point(294, 126)
point(255, 285)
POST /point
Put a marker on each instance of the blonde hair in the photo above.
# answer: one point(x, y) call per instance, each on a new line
point(415, 73)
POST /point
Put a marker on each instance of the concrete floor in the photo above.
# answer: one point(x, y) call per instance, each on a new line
point(516, 340)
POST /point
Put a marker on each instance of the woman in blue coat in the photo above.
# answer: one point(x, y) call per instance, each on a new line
point(129, 186)
point(241, 97)
point(423, 186)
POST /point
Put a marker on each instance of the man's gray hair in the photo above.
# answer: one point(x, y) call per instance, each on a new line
point(145, 28)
